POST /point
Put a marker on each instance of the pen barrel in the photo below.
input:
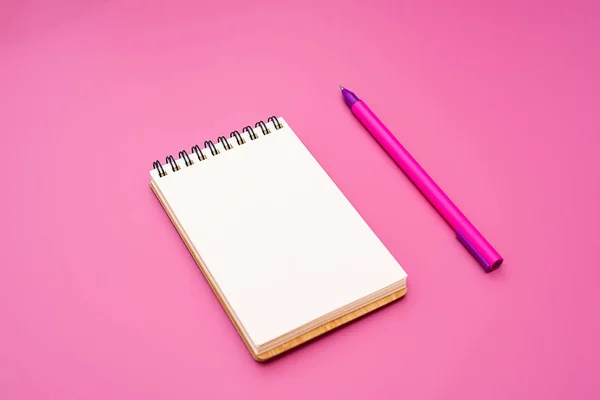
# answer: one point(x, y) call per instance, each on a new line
point(466, 233)
point(409, 165)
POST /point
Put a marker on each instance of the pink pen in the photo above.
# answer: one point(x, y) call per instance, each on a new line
point(466, 233)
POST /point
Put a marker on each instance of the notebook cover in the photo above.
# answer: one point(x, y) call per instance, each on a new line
point(295, 342)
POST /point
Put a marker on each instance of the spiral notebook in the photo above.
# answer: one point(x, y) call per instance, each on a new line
point(285, 252)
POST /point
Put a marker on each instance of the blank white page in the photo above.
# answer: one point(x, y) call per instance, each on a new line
point(279, 238)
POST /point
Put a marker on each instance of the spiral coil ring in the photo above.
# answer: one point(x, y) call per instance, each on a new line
point(238, 138)
point(263, 127)
point(225, 143)
point(275, 122)
point(196, 149)
point(208, 144)
point(158, 166)
point(186, 158)
point(250, 132)
point(173, 163)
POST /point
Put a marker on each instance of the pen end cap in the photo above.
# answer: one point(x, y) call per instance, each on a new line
point(487, 257)
point(495, 265)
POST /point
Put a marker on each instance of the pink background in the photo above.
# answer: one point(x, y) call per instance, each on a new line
point(99, 297)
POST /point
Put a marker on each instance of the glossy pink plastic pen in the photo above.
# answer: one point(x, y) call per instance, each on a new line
point(466, 233)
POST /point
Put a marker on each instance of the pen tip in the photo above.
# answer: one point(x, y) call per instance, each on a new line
point(341, 87)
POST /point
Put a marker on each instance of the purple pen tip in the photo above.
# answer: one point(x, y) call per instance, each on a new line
point(349, 97)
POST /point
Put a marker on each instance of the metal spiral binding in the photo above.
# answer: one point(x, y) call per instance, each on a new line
point(158, 166)
point(210, 145)
point(225, 143)
point(186, 158)
point(275, 122)
point(198, 151)
point(238, 138)
point(173, 164)
point(250, 132)
point(263, 127)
